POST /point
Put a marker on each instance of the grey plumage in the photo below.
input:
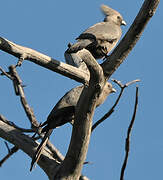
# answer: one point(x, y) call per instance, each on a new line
point(64, 112)
point(99, 39)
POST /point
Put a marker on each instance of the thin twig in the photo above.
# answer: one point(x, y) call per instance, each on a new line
point(5, 73)
point(127, 145)
point(2, 118)
point(108, 113)
point(125, 85)
point(10, 153)
point(7, 146)
point(132, 82)
point(116, 102)
point(19, 91)
point(55, 153)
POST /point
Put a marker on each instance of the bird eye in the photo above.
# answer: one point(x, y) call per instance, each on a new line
point(118, 17)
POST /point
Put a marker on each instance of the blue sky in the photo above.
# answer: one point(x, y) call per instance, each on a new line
point(48, 26)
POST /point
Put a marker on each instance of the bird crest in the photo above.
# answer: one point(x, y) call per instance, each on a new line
point(107, 11)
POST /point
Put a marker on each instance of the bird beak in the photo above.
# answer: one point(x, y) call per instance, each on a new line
point(123, 23)
point(113, 90)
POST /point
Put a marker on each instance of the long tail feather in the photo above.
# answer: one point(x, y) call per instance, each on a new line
point(40, 148)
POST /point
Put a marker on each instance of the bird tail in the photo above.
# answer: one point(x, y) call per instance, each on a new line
point(40, 148)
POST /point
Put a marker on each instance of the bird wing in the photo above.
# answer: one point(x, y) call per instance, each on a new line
point(70, 98)
point(105, 31)
point(79, 45)
point(64, 110)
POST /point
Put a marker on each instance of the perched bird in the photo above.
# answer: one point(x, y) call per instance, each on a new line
point(64, 112)
point(99, 39)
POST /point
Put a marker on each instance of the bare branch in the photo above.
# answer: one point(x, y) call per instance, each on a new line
point(54, 151)
point(24, 53)
point(127, 145)
point(19, 91)
point(49, 161)
point(132, 82)
point(125, 85)
point(26, 144)
point(10, 153)
point(7, 146)
point(5, 73)
point(116, 102)
point(2, 118)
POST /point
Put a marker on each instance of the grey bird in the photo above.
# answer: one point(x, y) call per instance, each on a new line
point(64, 112)
point(99, 39)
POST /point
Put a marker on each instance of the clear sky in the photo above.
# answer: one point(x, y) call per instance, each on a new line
point(48, 26)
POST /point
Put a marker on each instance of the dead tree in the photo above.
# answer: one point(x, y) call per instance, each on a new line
point(52, 161)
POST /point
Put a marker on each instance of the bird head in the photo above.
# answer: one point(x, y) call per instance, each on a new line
point(108, 86)
point(112, 15)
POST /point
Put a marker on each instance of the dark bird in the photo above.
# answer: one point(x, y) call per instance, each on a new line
point(100, 38)
point(64, 112)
